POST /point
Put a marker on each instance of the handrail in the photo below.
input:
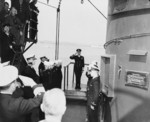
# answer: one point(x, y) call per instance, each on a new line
point(66, 75)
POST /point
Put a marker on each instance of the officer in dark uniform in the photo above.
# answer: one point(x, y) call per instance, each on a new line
point(48, 80)
point(41, 67)
point(57, 74)
point(78, 67)
point(93, 90)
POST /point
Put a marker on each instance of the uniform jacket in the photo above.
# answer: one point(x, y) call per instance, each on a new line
point(41, 68)
point(79, 62)
point(47, 79)
point(93, 89)
point(14, 109)
point(57, 77)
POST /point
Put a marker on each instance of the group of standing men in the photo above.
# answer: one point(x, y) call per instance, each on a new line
point(50, 74)
point(21, 105)
point(20, 109)
point(17, 25)
point(13, 30)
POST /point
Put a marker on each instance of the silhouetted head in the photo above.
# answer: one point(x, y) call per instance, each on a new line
point(54, 103)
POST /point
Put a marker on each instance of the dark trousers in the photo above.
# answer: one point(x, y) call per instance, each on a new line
point(78, 79)
point(93, 114)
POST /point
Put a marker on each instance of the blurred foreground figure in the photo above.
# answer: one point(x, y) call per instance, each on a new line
point(53, 105)
point(15, 109)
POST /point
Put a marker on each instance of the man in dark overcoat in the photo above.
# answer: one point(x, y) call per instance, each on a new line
point(48, 77)
point(58, 74)
point(93, 90)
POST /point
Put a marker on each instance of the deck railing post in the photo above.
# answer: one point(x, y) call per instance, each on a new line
point(64, 78)
point(67, 75)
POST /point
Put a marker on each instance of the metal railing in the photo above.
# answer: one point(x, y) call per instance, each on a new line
point(67, 75)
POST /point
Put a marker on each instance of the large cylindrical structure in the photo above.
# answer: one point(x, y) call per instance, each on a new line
point(126, 66)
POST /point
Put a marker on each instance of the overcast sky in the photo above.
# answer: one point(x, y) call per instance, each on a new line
point(79, 23)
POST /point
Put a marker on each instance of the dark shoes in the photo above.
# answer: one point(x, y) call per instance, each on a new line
point(78, 88)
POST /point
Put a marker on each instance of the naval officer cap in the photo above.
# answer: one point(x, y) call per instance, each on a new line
point(94, 65)
point(7, 75)
point(44, 57)
point(31, 56)
point(78, 50)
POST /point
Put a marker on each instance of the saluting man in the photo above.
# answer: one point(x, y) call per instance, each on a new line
point(93, 90)
point(15, 109)
point(78, 67)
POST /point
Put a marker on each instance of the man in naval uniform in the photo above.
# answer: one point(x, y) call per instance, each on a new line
point(93, 90)
point(78, 67)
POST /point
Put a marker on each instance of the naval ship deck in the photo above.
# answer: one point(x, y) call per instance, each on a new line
point(76, 99)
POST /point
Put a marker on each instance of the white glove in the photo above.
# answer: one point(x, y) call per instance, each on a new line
point(27, 81)
point(92, 107)
point(38, 90)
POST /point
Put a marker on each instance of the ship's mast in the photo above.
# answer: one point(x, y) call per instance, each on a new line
point(57, 32)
